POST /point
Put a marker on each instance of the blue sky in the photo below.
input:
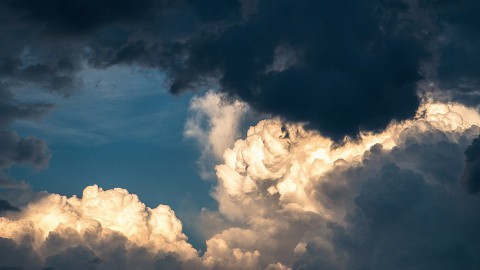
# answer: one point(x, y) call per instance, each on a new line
point(121, 129)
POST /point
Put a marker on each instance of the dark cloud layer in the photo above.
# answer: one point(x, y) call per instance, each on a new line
point(300, 61)
point(103, 254)
point(341, 66)
point(471, 175)
point(458, 23)
point(77, 16)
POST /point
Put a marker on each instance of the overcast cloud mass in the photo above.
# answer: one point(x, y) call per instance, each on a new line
point(368, 156)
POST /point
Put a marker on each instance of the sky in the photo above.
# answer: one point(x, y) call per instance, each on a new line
point(239, 134)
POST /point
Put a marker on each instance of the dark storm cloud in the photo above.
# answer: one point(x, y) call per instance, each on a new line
point(458, 24)
point(471, 175)
point(338, 68)
point(79, 16)
point(217, 10)
point(342, 66)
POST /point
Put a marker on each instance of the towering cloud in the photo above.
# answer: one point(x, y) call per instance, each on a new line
point(215, 125)
point(291, 199)
point(299, 199)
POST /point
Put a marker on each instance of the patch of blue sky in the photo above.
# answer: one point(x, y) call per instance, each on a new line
point(121, 129)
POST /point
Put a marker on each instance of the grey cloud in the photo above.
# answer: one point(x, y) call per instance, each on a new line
point(458, 24)
point(471, 175)
point(300, 60)
point(73, 251)
point(18, 255)
point(74, 258)
point(17, 150)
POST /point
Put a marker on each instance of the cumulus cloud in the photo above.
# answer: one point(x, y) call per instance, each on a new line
point(373, 203)
point(215, 125)
point(289, 198)
point(103, 229)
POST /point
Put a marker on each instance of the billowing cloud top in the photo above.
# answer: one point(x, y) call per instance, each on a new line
point(99, 228)
point(289, 198)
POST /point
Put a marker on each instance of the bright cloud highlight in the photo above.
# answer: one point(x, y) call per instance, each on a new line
point(289, 198)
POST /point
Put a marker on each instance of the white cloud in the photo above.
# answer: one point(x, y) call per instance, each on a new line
point(215, 125)
point(289, 199)
point(99, 221)
point(288, 186)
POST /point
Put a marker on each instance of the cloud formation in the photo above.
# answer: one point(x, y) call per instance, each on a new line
point(374, 204)
point(15, 149)
point(289, 198)
point(215, 125)
point(458, 57)
point(299, 60)
point(104, 229)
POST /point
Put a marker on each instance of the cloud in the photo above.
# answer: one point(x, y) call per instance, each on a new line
point(6, 206)
point(215, 125)
point(104, 229)
point(288, 198)
point(373, 203)
point(22, 150)
point(332, 66)
point(77, 16)
point(15, 149)
point(470, 178)
point(386, 197)
point(456, 69)
point(297, 60)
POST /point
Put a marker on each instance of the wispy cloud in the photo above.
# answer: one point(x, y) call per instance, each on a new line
point(119, 103)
